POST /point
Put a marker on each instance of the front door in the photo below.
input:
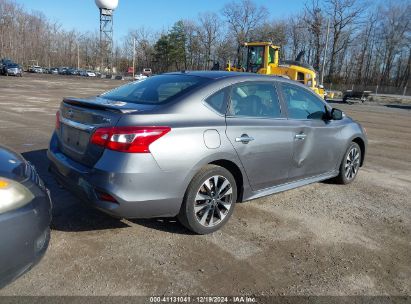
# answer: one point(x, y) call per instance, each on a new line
point(317, 142)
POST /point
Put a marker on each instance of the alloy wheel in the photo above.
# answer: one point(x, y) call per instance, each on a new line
point(352, 163)
point(213, 201)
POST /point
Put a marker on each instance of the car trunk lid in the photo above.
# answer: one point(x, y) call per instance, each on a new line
point(79, 118)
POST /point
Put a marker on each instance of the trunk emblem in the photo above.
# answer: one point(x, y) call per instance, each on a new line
point(70, 113)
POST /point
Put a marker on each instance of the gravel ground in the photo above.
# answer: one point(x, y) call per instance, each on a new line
point(321, 239)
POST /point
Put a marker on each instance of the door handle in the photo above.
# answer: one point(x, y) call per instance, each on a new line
point(300, 136)
point(245, 139)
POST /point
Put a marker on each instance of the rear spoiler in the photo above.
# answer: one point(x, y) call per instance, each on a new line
point(108, 105)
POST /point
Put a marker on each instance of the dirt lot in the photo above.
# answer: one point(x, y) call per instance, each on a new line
point(321, 239)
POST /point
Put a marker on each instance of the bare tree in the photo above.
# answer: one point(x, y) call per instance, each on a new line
point(274, 31)
point(364, 49)
point(208, 31)
point(380, 55)
point(395, 26)
point(194, 46)
point(314, 20)
point(297, 34)
point(242, 18)
point(344, 15)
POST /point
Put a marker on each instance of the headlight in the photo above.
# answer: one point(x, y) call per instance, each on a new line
point(13, 195)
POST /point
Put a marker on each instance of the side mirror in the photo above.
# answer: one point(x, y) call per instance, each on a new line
point(336, 114)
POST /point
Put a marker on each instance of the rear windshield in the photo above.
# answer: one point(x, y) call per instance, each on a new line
point(156, 90)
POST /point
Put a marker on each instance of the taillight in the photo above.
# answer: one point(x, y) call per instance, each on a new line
point(103, 196)
point(57, 120)
point(128, 139)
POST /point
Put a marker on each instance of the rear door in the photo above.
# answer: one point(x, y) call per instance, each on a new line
point(258, 130)
point(317, 141)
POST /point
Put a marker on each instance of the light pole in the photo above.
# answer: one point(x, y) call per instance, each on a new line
point(325, 51)
point(78, 51)
point(134, 57)
point(78, 57)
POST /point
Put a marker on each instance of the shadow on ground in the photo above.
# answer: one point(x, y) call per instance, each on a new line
point(403, 107)
point(337, 101)
point(170, 225)
point(71, 214)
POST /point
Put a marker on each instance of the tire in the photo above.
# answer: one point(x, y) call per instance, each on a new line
point(351, 161)
point(202, 215)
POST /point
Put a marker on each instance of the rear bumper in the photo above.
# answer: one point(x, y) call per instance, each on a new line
point(24, 235)
point(140, 187)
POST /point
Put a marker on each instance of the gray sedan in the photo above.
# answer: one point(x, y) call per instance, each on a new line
point(192, 144)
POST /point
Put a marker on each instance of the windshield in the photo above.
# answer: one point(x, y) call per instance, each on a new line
point(155, 90)
point(255, 58)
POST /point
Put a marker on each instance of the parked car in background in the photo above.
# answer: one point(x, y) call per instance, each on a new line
point(147, 72)
point(36, 69)
point(12, 69)
point(72, 71)
point(63, 70)
point(192, 144)
point(25, 215)
point(53, 71)
point(139, 77)
point(90, 74)
point(3, 63)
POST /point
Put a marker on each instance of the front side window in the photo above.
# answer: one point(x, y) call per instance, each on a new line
point(254, 100)
point(155, 90)
point(302, 104)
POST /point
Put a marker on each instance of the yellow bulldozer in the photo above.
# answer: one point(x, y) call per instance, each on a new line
point(263, 58)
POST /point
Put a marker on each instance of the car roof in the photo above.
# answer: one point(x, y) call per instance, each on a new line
point(220, 75)
point(210, 74)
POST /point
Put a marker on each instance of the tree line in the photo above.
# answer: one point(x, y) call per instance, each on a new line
point(368, 43)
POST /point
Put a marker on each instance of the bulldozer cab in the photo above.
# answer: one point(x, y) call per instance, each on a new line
point(263, 58)
point(254, 58)
point(257, 56)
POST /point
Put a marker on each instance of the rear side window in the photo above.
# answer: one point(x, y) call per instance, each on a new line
point(302, 104)
point(218, 101)
point(255, 100)
point(156, 90)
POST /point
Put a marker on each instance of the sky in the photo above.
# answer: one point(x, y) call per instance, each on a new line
point(83, 15)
